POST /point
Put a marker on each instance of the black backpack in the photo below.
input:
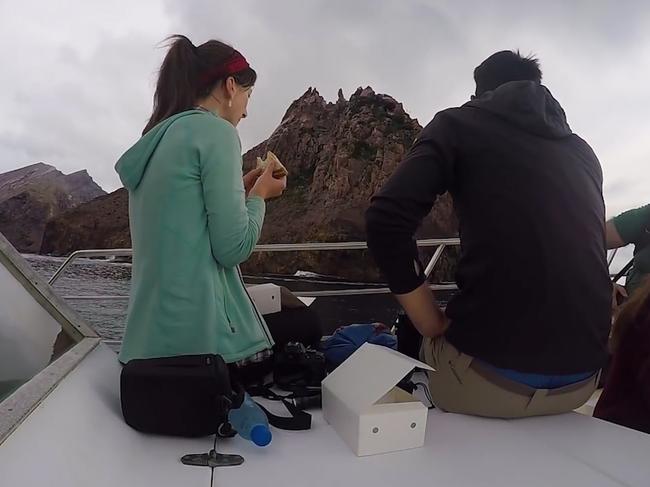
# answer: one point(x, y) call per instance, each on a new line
point(188, 395)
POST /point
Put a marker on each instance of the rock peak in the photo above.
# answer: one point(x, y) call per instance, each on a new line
point(310, 96)
point(29, 196)
point(366, 92)
point(310, 100)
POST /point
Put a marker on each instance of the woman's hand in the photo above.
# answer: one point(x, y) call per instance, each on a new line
point(250, 178)
point(267, 186)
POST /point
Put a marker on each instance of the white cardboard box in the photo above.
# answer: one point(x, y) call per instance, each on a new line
point(361, 402)
point(266, 297)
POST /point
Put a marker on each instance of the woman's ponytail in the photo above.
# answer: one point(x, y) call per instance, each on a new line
point(190, 72)
point(176, 88)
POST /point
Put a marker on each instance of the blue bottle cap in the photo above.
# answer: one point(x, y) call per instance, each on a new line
point(261, 435)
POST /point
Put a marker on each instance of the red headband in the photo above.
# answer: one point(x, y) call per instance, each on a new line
point(233, 65)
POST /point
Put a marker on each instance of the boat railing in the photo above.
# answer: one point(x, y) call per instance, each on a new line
point(440, 243)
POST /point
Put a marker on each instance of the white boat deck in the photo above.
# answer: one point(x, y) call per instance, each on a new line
point(76, 437)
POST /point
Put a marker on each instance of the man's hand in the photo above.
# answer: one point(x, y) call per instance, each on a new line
point(250, 178)
point(619, 295)
point(424, 312)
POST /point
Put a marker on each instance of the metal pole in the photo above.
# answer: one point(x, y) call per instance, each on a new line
point(434, 260)
point(611, 257)
point(88, 253)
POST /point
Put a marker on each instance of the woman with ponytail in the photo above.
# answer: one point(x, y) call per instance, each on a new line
point(194, 216)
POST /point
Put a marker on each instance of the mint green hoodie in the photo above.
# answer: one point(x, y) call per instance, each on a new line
point(191, 227)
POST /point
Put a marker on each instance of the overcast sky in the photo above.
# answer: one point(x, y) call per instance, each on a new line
point(77, 77)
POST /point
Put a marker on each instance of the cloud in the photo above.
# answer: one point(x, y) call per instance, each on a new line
point(82, 75)
point(79, 84)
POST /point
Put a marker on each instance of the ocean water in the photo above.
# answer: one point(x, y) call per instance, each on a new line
point(91, 277)
point(94, 277)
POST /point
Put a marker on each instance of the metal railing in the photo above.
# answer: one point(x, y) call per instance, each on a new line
point(440, 243)
point(88, 253)
point(610, 259)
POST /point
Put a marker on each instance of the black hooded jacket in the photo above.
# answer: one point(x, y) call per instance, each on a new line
point(534, 293)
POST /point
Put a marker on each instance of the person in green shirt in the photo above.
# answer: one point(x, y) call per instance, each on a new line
point(632, 227)
point(194, 215)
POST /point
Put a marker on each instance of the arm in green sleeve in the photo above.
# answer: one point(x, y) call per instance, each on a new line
point(234, 222)
point(632, 224)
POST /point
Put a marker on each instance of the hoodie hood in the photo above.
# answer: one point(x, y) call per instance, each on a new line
point(528, 105)
point(133, 163)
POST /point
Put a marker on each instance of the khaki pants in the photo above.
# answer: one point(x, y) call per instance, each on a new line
point(461, 384)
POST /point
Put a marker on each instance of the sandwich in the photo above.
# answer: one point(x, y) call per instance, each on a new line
point(279, 171)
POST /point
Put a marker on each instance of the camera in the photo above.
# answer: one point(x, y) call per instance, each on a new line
point(298, 367)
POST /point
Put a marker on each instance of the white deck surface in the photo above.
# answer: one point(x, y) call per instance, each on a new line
point(77, 438)
point(570, 450)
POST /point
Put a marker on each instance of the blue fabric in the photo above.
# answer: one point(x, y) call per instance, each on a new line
point(540, 381)
point(346, 340)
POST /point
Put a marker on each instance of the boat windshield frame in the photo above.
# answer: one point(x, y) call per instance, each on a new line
point(21, 402)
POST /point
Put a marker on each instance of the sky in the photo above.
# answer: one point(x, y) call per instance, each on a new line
point(77, 77)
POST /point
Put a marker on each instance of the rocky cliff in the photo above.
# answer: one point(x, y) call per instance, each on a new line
point(100, 224)
point(32, 195)
point(338, 154)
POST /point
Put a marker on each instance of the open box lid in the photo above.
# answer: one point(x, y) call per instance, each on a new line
point(368, 374)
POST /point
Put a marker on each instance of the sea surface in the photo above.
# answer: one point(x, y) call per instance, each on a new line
point(102, 279)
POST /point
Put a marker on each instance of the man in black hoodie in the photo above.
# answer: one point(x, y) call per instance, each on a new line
point(526, 333)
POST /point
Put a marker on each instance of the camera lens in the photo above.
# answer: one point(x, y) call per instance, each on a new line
point(308, 402)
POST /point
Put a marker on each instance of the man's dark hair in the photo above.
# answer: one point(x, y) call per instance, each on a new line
point(505, 66)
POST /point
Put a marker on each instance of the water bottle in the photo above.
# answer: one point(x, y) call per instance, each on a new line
point(250, 422)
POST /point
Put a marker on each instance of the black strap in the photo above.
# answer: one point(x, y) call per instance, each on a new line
point(623, 271)
point(298, 421)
